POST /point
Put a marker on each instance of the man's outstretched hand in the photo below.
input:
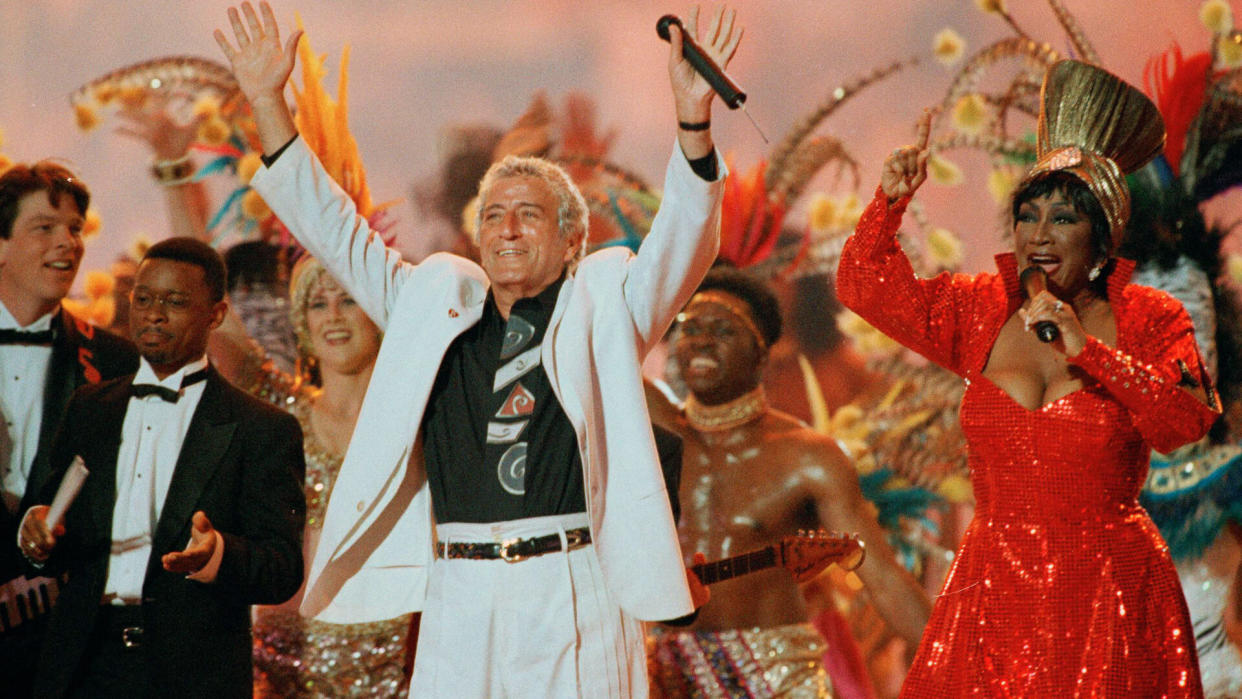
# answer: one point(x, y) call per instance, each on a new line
point(262, 66)
point(195, 556)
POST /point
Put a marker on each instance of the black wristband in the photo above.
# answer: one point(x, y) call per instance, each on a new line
point(696, 126)
point(269, 160)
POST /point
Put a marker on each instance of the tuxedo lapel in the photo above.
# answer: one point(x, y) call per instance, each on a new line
point(210, 432)
point(57, 389)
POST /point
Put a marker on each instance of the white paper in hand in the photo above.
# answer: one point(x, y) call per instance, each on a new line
point(68, 490)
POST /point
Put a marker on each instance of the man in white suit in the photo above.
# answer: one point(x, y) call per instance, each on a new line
point(502, 477)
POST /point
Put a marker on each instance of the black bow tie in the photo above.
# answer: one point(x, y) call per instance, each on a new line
point(9, 336)
point(142, 390)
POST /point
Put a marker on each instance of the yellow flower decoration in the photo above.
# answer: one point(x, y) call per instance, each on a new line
point(1229, 49)
point(98, 283)
point(92, 223)
point(996, 7)
point(944, 248)
point(213, 132)
point(1001, 182)
point(133, 97)
point(5, 163)
point(955, 488)
point(247, 165)
point(106, 92)
point(138, 249)
point(948, 46)
point(849, 210)
point(207, 107)
point(86, 116)
point(103, 312)
point(822, 212)
point(1233, 265)
point(1216, 16)
point(865, 337)
point(943, 171)
point(971, 114)
point(254, 207)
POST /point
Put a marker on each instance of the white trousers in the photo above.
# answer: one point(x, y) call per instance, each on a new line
point(541, 627)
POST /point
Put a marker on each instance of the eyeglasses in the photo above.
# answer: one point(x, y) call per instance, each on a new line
point(172, 301)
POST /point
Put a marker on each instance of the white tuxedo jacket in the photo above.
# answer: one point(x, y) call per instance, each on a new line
point(377, 541)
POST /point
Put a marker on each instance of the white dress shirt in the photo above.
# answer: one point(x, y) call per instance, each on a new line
point(23, 377)
point(151, 438)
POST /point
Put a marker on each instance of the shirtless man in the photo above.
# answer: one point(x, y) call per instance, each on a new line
point(751, 475)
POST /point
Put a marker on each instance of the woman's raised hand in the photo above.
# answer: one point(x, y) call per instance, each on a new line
point(905, 169)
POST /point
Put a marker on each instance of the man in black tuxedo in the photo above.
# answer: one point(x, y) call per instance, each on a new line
point(46, 353)
point(193, 509)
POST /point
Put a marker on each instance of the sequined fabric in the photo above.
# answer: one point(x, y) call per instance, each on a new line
point(1062, 586)
point(298, 657)
point(1220, 659)
point(785, 661)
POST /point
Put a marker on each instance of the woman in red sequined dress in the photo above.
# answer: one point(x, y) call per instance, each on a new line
point(1062, 586)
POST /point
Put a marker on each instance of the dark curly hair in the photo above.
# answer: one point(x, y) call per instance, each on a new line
point(755, 293)
point(197, 253)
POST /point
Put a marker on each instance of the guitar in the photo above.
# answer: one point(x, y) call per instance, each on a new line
point(805, 555)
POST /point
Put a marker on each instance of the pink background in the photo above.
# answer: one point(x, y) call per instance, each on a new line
point(420, 66)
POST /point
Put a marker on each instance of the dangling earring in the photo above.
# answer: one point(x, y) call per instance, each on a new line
point(1095, 272)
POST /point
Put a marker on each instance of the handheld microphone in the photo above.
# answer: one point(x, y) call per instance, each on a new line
point(728, 90)
point(1034, 280)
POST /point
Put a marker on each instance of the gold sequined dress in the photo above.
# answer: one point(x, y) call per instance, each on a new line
point(1062, 586)
point(299, 657)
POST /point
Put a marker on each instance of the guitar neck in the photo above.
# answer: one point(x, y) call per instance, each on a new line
point(725, 568)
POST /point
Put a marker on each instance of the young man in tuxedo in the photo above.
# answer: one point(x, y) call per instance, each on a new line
point(193, 509)
point(46, 353)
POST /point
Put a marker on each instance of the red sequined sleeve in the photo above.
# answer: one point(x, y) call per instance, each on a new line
point(1149, 379)
point(876, 281)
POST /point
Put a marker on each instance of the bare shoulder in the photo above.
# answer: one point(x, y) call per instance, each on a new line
point(810, 453)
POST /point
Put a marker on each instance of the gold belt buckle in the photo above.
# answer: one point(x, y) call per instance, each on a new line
point(504, 551)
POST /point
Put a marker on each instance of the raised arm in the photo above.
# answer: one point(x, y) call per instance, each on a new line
point(262, 65)
point(294, 183)
point(692, 95)
point(169, 140)
point(875, 278)
point(685, 235)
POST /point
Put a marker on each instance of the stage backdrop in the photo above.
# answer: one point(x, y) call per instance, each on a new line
point(420, 66)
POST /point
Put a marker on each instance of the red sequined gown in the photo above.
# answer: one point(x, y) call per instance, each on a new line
point(1062, 586)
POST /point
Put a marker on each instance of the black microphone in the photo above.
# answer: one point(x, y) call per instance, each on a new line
point(1034, 280)
point(728, 90)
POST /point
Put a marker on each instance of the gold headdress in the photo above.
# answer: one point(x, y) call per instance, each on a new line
point(1098, 128)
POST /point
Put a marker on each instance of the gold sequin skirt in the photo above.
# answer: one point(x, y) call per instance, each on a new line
point(299, 657)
